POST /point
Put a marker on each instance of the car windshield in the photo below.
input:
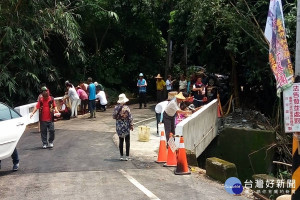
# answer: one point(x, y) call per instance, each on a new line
point(7, 113)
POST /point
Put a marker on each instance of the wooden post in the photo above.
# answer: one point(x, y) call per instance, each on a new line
point(296, 167)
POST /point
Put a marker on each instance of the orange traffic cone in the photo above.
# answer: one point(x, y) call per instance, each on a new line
point(182, 166)
point(162, 153)
point(171, 158)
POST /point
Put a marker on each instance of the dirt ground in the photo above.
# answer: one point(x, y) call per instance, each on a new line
point(247, 118)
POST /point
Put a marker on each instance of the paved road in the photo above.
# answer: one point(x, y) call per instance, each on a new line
point(84, 164)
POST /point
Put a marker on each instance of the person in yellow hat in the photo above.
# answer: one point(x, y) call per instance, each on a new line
point(160, 85)
point(170, 112)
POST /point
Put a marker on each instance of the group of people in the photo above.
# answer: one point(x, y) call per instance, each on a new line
point(90, 94)
point(200, 91)
point(83, 94)
point(169, 112)
point(189, 97)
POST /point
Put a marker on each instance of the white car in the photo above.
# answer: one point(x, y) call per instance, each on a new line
point(12, 126)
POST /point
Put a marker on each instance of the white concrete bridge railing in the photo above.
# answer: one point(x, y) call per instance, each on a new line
point(200, 128)
point(25, 110)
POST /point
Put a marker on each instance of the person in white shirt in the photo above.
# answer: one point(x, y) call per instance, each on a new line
point(182, 83)
point(159, 110)
point(169, 83)
point(102, 99)
point(170, 112)
point(75, 101)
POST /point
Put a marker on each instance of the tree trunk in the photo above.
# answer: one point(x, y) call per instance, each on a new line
point(185, 58)
point(234, 80)
point(168, 57)
point(96, 42)
point(102, 39)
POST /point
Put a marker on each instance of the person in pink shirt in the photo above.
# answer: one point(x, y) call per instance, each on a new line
point(84, 99)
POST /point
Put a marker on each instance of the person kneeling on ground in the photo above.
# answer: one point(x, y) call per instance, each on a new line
point(64, 110)
point(102, 101)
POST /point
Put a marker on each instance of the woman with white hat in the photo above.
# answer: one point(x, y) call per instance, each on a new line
point(124, 123)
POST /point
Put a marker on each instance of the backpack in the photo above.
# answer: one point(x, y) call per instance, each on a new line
point(116, 115)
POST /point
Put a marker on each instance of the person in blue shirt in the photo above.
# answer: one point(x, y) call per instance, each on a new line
point(142, 84)
point(92, 97)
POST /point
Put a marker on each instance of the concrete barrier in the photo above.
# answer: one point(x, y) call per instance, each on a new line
point(200, 128)
point(220, 169)
point(25, 110)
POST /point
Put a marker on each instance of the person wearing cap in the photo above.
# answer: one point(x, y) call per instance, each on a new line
point(99, 86)
point(40, 96)
point(142, 84)
point(124, 123)
point(160, 84)
point(67, 82)
point(170, 112)
point(46, 106)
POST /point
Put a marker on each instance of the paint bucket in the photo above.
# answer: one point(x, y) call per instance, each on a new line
point(144, 133)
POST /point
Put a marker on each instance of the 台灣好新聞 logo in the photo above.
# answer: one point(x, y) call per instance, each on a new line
point(233, 186)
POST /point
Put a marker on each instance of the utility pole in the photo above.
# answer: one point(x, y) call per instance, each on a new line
point(297, 56)
point(296, 136)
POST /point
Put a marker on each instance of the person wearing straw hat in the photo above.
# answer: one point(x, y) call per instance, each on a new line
point(170, 112)
point(160, 84)
point(142, 84)
point(124, 123)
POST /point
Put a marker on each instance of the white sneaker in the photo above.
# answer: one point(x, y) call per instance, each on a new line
point(121, 158)
point(44, 146)
point(126, 158)
point(50, 145)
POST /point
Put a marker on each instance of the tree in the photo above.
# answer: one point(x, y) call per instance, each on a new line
point(227, 37)
point(27, 30)
point(121, 49)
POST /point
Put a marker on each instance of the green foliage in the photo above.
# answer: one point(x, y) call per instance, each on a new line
point(27, 31)
point(121, 49)
point(218, 31)
point(113, 40)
